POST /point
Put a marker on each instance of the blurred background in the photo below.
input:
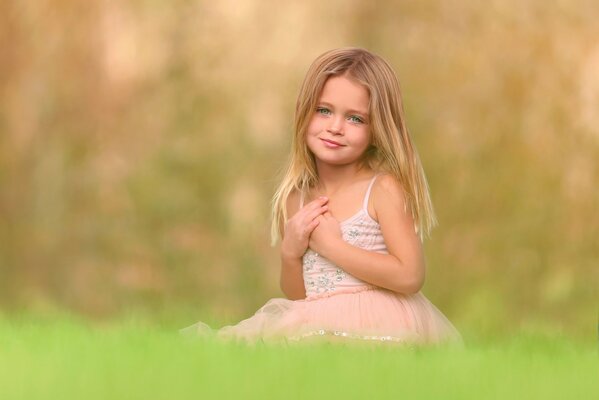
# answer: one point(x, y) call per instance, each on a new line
point(141, 142)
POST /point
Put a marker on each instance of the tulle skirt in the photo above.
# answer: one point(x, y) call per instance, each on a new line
point(360, 314)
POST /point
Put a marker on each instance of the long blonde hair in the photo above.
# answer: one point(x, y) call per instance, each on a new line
point(391, 149)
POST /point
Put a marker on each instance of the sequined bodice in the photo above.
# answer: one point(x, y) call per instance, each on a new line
point(360, 230)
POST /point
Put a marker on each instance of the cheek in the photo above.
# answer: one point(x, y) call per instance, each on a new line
point(363, 137)
point(368, 139)
point(315, 126)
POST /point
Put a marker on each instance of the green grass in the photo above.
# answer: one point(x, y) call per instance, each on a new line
point(69, 359)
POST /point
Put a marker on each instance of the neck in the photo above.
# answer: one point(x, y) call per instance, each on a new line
point(332, 178)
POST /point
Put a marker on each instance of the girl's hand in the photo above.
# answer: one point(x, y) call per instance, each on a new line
point(327, 236)
point(298, 228)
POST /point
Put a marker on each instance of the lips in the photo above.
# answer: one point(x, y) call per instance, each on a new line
point(332, 141)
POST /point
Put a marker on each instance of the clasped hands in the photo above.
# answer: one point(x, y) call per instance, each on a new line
point(312, 226)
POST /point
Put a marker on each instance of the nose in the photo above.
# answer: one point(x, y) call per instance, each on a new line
point(336, 126)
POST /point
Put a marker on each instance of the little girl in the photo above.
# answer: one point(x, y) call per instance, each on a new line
point(352, 210)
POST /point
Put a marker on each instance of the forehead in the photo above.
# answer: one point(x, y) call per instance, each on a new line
point(346, 93)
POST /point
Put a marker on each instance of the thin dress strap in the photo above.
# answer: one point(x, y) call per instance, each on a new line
point(301, 199)
point(367, 196)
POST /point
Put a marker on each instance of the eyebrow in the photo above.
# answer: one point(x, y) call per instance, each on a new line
point(352, 111)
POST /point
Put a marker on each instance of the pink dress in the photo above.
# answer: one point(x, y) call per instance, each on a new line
point(340, 307)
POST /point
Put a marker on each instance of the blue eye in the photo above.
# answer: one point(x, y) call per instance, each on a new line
point(323, 111)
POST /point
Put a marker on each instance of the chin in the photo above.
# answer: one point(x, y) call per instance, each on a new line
point(333, 161)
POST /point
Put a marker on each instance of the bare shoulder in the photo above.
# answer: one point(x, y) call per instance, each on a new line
point(397, 223)
point(389, 184)
point(388, 193)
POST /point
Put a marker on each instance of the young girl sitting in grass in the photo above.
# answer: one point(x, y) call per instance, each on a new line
point(352, 210)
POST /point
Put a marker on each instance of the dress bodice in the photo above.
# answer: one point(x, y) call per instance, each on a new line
point(360, 230)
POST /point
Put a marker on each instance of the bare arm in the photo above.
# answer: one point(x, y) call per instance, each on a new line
point(295, 241)
point(292, 281)
point(403, 269)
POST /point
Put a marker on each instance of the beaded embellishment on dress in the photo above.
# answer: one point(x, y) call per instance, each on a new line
point(320, 274)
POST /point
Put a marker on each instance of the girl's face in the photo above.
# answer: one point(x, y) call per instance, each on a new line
point(341, 117)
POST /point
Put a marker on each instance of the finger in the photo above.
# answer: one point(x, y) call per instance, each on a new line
point(311, 206)
point(312, 225)
point(307, 231)
point(315, 213)
point(316, 202)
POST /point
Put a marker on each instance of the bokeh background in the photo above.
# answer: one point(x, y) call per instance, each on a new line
point(141, 142)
